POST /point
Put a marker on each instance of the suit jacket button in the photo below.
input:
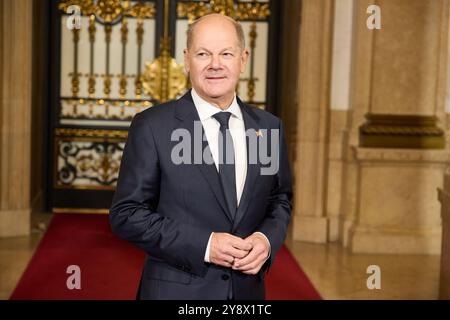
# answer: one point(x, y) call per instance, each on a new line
point(225, 277)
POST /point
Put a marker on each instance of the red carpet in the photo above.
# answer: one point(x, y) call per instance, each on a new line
point(287, 281)
point(110, 268)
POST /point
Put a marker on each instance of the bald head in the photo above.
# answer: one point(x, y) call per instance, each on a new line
point(218, 18)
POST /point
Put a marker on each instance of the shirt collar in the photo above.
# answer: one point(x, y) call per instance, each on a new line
point(206, 110)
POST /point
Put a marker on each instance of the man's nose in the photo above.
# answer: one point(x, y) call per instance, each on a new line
point(215, 62)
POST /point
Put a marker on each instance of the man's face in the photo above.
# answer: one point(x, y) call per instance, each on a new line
point(215, 60)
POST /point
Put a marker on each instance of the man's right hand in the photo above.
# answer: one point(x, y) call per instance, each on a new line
point(225, 247)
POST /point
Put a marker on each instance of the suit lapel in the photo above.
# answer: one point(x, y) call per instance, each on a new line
point(187, 113)
point(253, 169)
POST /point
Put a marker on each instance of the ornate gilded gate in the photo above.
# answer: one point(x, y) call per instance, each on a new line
point(113, 59)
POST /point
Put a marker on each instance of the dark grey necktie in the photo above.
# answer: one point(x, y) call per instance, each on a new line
point(227, 161)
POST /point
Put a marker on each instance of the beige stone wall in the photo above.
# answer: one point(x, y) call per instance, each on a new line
point(370, 199)
point(397, 209)
point(444, 279)
point(406, 57)
point(15, 116)
point(390, 202)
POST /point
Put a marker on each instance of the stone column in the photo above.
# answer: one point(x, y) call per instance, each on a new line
point(396, 156)
point(15, 116)
point(408, 55)
point(310, 168)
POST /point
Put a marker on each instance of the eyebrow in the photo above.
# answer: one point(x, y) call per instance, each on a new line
point(204, 49)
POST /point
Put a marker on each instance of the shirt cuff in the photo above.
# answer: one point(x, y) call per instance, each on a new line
point(270, 247)
point(207, 248)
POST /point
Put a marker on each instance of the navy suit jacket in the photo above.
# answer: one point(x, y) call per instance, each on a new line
point(169, 210)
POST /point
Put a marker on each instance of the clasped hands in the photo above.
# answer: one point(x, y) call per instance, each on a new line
point(246, 255)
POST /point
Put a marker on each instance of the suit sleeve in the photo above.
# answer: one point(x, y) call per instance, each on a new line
point(133, 214)
point(279, 207)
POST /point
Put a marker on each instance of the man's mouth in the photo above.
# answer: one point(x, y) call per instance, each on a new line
point(215, 78)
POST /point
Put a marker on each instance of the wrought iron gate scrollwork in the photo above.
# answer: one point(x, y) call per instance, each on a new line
point(89, 163)
point(86, 160)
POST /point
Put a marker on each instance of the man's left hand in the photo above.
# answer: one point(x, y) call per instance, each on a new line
point(252, 263)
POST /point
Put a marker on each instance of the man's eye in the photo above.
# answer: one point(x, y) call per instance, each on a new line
point(227, 54)
point(202, 54)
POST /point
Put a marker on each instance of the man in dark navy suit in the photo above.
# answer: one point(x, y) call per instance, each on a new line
point(204, 186)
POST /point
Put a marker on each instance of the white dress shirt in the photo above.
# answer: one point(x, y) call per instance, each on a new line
point(237, 130)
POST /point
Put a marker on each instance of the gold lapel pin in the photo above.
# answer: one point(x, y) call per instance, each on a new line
point(259, 133)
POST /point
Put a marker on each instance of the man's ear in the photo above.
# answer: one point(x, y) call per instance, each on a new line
point(186, 60)
point(244, 59)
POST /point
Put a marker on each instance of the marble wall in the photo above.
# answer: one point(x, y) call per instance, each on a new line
point(371, 198)
point(15, 116)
